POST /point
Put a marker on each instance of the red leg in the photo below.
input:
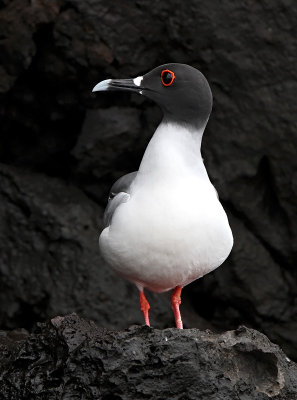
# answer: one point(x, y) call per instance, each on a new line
point(144, 306)
point(175, 302)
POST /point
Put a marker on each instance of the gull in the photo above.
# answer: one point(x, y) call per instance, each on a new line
point(164, 225)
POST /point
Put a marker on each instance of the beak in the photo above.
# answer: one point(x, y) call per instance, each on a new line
point(131, 85)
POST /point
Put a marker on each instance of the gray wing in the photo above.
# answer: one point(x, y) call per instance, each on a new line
point(119, 193)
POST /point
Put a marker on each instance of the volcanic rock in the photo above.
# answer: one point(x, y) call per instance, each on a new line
point(72, 358)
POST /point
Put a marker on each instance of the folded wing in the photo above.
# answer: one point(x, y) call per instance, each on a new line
point(119, 193)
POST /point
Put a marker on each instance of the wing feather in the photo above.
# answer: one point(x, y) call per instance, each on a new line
point(119, 193)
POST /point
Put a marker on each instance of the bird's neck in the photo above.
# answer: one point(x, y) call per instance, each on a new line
point(173, 150)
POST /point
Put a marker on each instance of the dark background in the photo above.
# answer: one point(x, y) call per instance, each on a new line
point(62, 147)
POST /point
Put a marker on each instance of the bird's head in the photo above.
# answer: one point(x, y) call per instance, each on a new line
point(181, 91)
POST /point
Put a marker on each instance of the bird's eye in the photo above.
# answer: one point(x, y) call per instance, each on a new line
point(167, 77)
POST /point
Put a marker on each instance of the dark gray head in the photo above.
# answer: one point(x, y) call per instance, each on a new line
point(181, 91)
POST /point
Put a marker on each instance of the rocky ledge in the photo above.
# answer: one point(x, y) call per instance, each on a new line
point(71, 358)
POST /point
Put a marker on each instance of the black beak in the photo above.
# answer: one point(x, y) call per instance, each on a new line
point(132, 85)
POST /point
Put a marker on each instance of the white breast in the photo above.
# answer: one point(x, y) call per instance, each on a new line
point(173, 229)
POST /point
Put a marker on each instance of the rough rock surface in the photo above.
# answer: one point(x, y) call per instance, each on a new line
point(52, 52)
point(71, 358)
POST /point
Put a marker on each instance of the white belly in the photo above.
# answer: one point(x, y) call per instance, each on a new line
point(168, 236)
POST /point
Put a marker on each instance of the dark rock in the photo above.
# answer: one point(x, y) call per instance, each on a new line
point(71, 358)
point(51, 54)
point(117, 131)
point(19, 22)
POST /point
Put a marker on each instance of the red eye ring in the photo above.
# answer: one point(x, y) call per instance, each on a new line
point(172, 77)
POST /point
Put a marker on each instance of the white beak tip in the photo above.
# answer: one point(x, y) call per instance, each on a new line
point(101, 86)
